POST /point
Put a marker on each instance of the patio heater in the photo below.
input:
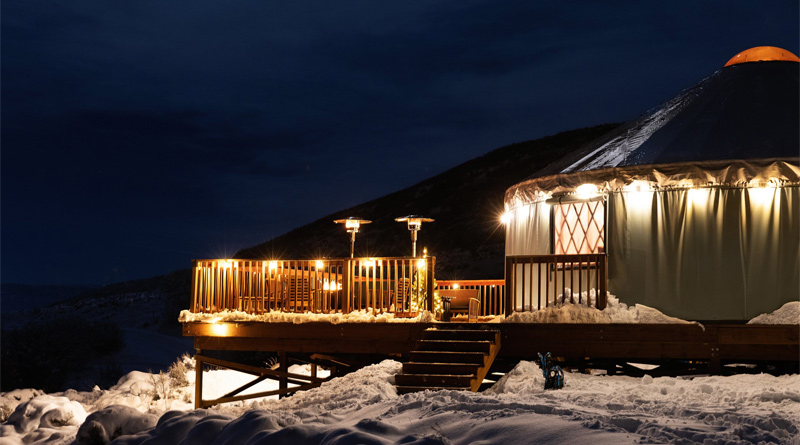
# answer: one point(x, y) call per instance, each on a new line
point(414, 226)
point(352, 224)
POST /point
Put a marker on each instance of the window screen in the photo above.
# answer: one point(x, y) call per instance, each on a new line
point(579, 227)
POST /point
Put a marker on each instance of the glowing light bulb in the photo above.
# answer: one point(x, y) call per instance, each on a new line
point(586, 191)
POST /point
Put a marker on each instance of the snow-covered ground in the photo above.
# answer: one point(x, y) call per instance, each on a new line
point(363, 407)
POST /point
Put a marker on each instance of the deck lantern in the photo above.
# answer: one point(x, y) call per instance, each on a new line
point(414, 226)
point(352, 224)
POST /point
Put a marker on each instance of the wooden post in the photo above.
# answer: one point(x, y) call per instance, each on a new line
point(198, 380)
point(283, 382)
point(195, 272)
point(603, 276)
point(429, 277)
point(347, 291)
point(509, 309)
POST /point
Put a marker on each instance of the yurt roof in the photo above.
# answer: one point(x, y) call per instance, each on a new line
point(746, 111)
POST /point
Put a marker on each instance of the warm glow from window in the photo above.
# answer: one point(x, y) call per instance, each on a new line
point(579, 228)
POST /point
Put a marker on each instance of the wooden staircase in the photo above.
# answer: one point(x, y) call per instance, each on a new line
point(456, 358)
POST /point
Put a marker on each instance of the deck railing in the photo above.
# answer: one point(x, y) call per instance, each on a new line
point(399, 285)
point(537, 281)
point(490, 293)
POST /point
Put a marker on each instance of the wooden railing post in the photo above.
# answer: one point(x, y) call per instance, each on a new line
point(430, 264)
point(347, 290)
point(195, 272)
point(603, 277)
point(510, 290)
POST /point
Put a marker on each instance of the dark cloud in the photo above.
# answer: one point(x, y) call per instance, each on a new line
point(136, 136)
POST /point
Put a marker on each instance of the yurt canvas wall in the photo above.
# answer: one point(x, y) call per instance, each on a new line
point(699, 199)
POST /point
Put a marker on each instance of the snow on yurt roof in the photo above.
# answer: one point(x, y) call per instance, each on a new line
point(736, 127)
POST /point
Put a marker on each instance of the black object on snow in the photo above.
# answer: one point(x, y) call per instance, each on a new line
point(553, 375)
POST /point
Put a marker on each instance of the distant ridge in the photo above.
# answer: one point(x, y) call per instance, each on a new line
point(466, 202)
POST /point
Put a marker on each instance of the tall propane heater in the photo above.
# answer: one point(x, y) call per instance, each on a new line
point(414, 226)
point(352, 224)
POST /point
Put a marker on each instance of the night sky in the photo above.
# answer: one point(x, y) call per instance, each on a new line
point(139, 135)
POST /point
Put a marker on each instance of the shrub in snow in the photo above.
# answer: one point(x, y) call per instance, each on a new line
point(177, 371)
point(101, 427)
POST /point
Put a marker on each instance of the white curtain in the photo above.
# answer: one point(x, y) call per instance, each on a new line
point(706, 254)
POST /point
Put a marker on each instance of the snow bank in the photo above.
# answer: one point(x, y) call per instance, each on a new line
point(41, 419)
point(582, 312)
point(789, 313)
point(111, 422)
point(10, 400)
point(363, 407)
point(363, 316)
point(368, 385)
point(739, 408)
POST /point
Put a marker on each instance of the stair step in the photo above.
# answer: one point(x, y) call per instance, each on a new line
point(447, 357)
point(440, 368)
point(437, 380)
point(454, 346)
point(410, 389)
point(459, 334)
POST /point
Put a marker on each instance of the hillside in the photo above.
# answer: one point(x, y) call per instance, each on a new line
point(126, 325)
point(466, 202)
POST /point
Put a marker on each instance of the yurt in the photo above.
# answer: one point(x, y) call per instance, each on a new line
point(693, 209)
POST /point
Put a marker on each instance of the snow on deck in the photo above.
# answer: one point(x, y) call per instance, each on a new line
point(564, 312)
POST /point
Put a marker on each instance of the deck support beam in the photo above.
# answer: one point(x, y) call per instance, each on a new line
point(198, 379)
point(284, 377)
point(283, 383)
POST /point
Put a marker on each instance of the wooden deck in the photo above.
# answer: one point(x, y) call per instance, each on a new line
point(715, 344)
point(403, 286)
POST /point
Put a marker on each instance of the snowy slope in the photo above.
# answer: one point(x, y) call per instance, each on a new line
point(363, 407)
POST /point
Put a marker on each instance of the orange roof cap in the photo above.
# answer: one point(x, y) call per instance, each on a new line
point(763, 54)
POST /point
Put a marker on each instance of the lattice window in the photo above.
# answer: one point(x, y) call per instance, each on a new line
point(579, 227)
